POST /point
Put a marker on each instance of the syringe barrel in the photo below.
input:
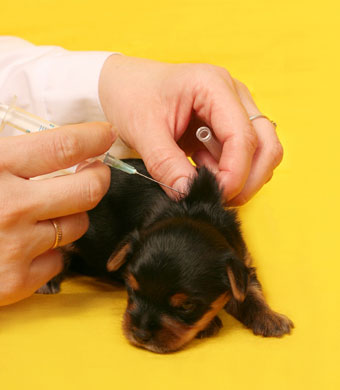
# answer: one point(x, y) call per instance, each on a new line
point(24, 121)
point(205, 135)
point(30, 123)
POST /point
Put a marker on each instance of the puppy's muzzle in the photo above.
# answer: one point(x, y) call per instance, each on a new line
point(142, 336)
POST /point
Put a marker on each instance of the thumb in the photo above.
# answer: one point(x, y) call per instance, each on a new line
point(165, 160)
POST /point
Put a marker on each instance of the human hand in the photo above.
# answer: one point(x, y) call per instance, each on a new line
point(27, 206)
point(158, 107)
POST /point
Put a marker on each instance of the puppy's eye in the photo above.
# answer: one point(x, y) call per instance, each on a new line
point(188, 306)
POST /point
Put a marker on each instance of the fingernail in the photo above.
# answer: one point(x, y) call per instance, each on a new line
point(182, 184)
point(223, 186)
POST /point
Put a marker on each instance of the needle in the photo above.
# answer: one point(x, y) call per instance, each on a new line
point(161, 184)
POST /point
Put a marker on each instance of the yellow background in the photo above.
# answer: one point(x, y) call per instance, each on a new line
point(288, 54)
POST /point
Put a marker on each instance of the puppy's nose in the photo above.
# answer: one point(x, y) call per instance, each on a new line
point(141, 335)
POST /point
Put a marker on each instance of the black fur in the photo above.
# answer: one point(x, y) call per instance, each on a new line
point(192, 246)
point(133, 205)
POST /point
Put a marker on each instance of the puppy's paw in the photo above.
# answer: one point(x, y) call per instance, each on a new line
point(271, 324)
point(213, 328)
point(52, 287)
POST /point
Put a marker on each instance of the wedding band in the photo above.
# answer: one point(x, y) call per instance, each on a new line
point(58, 233)
point(253, 117)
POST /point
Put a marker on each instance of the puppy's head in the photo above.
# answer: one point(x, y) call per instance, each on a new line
point(181, 271)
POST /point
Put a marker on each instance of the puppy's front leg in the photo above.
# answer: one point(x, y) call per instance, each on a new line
point(255, 313)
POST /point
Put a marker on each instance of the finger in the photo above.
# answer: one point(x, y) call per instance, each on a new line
point(22, 285)
point(48, 151)
point(268, 154)
point(267, 158)
point(164, 160)
point(246, 98)
point(44, 233)
point(43, 268)
point(235, 132)
point(70, 194)
point(204, 158)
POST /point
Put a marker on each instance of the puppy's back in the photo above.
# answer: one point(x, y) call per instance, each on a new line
point(122, 210)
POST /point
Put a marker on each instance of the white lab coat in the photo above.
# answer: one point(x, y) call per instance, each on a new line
point(53, 83)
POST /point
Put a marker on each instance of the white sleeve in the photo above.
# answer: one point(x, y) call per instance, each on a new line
point(51, 82)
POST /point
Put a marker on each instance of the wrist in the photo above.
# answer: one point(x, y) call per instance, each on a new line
point(107, 84)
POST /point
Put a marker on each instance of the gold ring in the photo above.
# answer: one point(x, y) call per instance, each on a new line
point(253, 117)
point(58, 233)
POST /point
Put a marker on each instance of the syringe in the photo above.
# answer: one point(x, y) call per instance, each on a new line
point(29, 123)
point(205, 135)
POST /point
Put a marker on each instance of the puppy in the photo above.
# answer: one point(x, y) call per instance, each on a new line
point(182, 262)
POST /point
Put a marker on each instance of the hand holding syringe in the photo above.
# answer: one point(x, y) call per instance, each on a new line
point(29, 123)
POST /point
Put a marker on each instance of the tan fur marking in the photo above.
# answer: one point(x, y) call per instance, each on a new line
point(175, 334)
point(185, 333)
point(117, 259)
point(133, 282)
point(238, 295)
point(248, 259)
point(178, 299)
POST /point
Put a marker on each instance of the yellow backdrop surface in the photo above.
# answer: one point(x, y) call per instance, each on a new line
point(288, 54)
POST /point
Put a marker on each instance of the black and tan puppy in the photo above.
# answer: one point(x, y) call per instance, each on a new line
point(182, 262)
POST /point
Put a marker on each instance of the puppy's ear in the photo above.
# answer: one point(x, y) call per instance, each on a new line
point(204, 188)
point(118, 258)
point(238, 275)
